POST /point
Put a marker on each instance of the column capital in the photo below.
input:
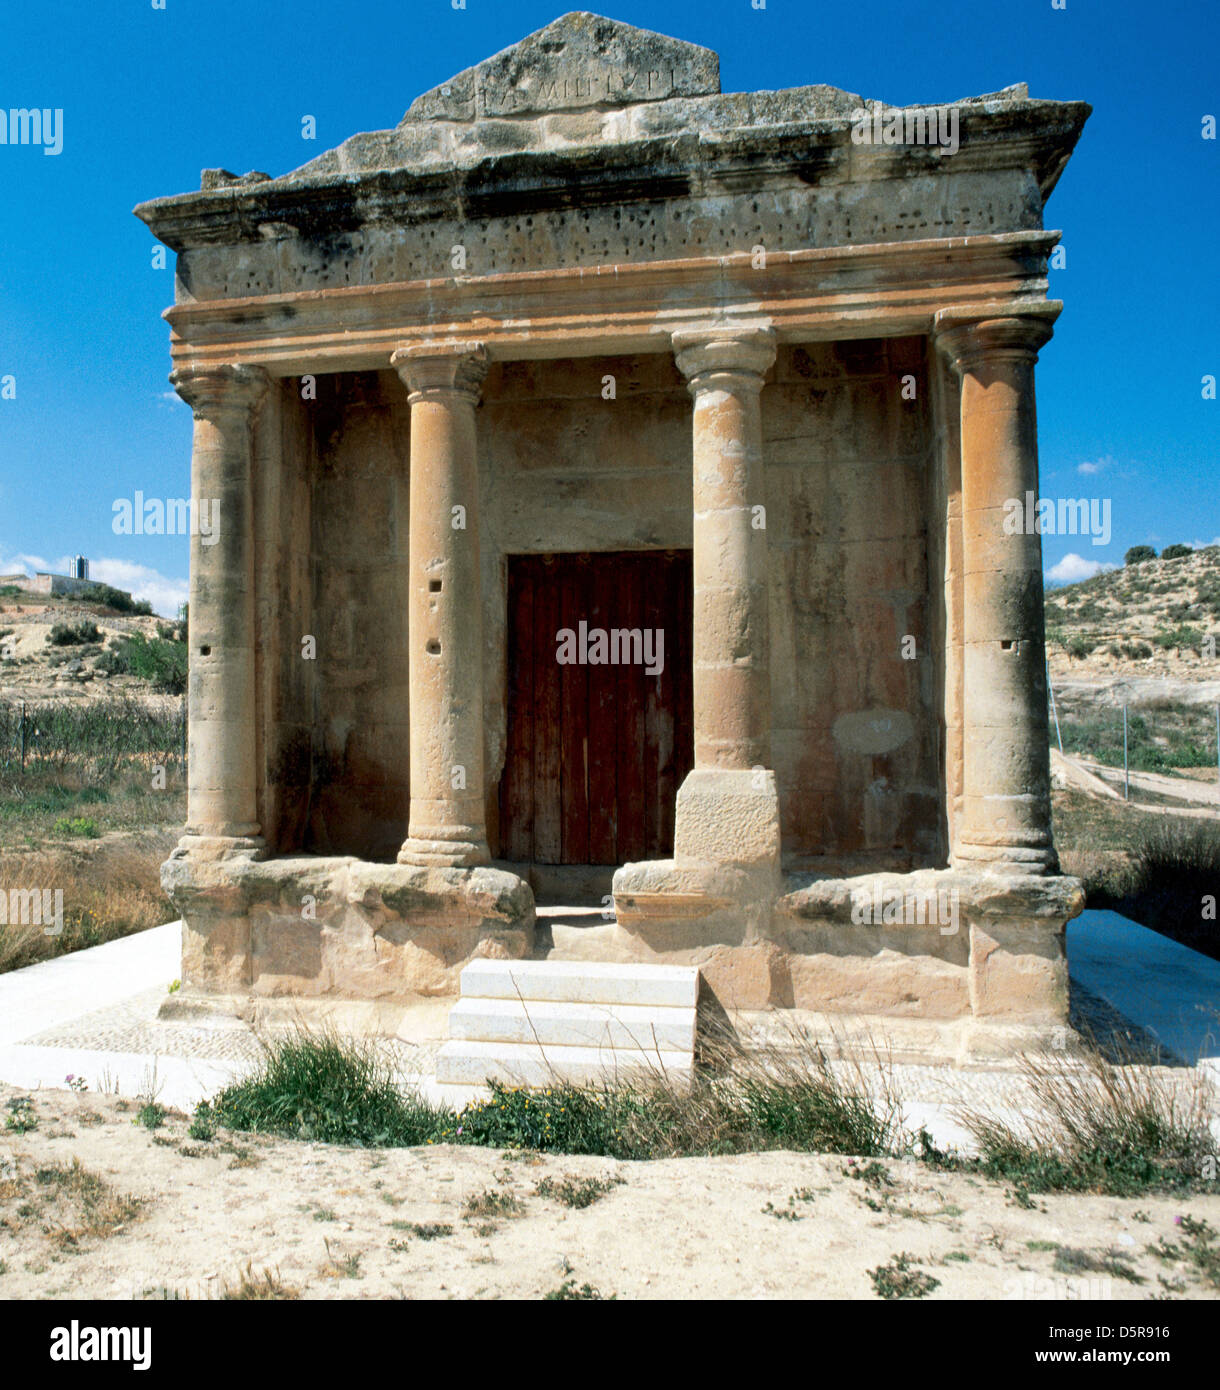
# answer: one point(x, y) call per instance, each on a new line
point(225, 386)
point(433, 369)
point(971, 335)
point(741, 350)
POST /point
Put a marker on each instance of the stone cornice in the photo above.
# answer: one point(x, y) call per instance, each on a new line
point(384, 178)
point(828, 292)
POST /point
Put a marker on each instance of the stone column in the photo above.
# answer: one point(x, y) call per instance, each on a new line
point(222, 773)
point(1005, 824)
point(445, 607)
point(727, 807)
point(732, 694)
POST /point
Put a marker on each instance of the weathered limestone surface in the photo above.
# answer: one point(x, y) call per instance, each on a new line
point(447, 811)
point(580, 299)
point(222, 785)
point(996, 959)
point(502, 158)
point(344, 927)
point(1006, 795)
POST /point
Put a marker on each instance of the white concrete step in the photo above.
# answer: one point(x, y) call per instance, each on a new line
point(583, 982)
point(532, 1023)
point(472, 1063)
point(570, 1024)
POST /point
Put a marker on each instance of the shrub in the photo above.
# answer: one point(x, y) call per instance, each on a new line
point(1176, 552)
point(331, 1089)
point(1178, 637)
point(162, 662)
point(1079, 647)
point(203, 1124)
point(76, 827)
point(1207, 594)
point(321, 1087)
point(1138, 554)
point(69, 635)
point(902, 1278)
point(1186, 853)
point(151, 1115)
point(569, 1290)
point(118, 600)
point(576, 1192)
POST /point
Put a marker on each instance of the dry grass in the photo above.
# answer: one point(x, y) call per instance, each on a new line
point(264, 1287)
point(1104, 1126)
point(70, 1202)
point(788, 1093)
point(110, 890)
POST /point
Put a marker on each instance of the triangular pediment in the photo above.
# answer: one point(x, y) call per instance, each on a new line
point(580, 60)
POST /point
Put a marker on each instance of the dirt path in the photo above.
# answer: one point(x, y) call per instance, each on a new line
point(1205, 796)
point(346, 1223)
point(1194, 798)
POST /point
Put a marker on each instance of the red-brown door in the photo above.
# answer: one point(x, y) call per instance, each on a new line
point(597, 745)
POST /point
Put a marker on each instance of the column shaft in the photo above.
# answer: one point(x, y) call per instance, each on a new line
point(1006, 778)
point(222, 777)
point(445, 607)
point(732, 691)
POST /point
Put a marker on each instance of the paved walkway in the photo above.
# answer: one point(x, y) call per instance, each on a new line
point(95, 1014)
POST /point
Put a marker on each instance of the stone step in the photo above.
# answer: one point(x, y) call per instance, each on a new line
point(573, 1024)
point(471, 1063)
point(583, 982)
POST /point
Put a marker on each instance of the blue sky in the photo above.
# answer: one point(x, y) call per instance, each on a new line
point(151, 96)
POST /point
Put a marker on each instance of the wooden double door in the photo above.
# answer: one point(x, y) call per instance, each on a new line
point(597, 745)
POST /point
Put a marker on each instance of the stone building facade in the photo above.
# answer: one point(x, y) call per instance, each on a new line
point(586, 346)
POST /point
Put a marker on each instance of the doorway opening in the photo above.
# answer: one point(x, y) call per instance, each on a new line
point(600, 726)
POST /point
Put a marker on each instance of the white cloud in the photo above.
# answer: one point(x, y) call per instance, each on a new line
point(1072, 568)
point(21, 563)
point(1097, 467)
point(165, 594)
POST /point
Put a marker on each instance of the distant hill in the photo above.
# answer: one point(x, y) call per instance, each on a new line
point(63, 647)
point(1144, 621)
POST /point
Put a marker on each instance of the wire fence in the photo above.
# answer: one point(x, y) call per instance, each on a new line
point(92, 741)
point(1162, 736)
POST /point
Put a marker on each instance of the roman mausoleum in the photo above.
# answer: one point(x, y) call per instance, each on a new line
point(611, 476)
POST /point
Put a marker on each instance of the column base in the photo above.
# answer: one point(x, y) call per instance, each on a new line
point(206, 846)
point(444, 853)
point(1005, 859)
point(728, 816)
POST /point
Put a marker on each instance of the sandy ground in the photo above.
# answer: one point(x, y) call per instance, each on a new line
point(340, 1223)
